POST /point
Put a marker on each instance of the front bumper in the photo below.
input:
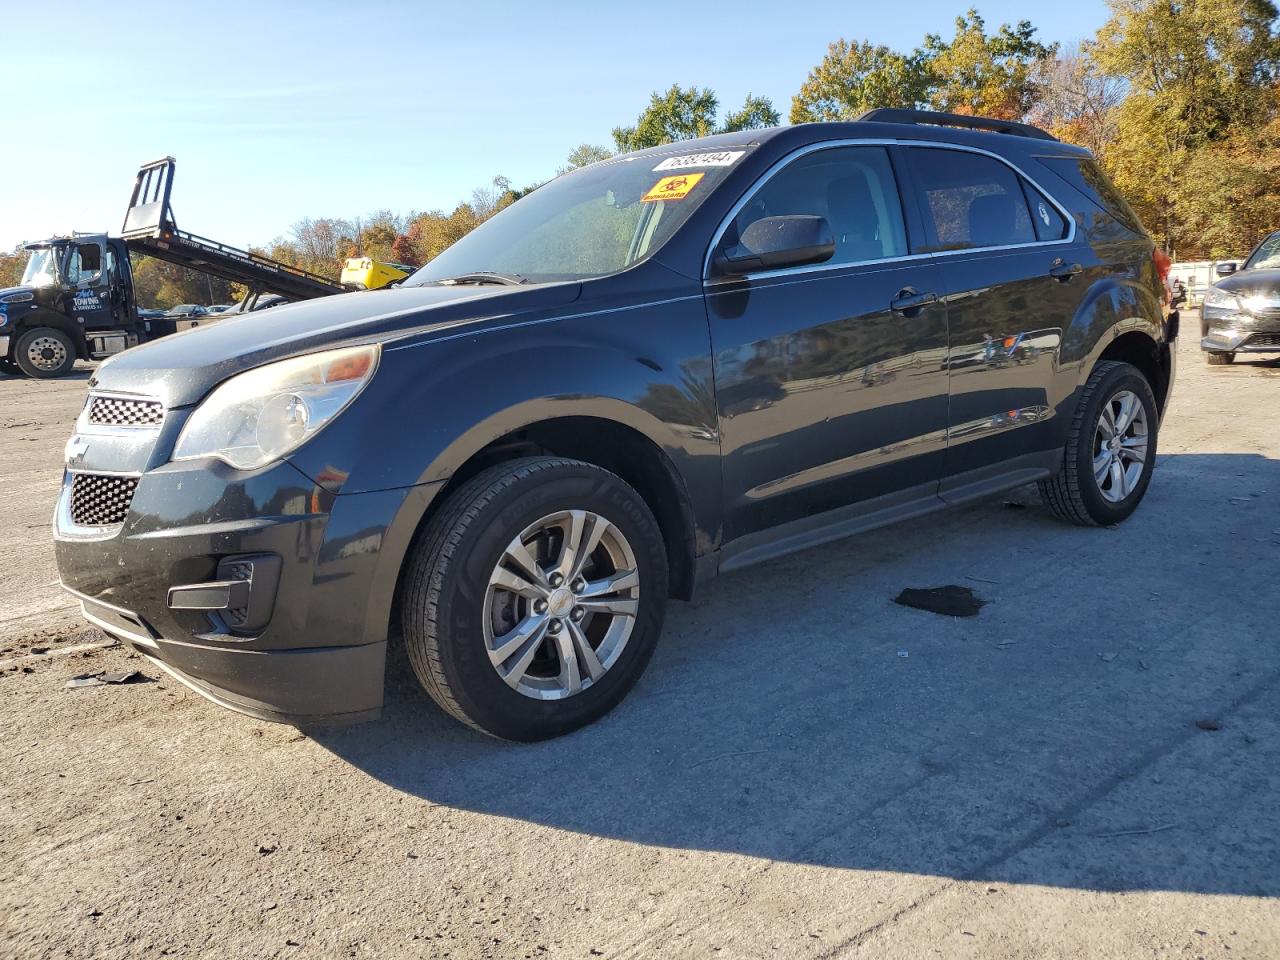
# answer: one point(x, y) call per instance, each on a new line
point(1224, 331)
point(315, 650)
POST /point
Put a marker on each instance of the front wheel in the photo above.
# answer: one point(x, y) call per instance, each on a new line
point(45, 353)
point(1111, 449)
point(534, 598)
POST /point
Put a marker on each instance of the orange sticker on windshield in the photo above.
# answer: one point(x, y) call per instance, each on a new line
point(673, 188)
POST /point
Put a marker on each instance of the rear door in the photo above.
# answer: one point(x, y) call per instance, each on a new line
point(828, 396)
point(1009, 267)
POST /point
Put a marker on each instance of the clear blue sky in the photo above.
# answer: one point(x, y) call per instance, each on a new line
point(279, 111)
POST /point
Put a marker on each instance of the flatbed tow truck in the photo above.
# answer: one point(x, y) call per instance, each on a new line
point(76, 299)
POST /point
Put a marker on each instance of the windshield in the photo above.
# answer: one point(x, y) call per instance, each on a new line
point(1267, 254)
point(42, 268)
point(588, 223)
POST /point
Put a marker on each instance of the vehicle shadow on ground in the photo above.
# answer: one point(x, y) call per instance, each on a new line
point(794, 712)
point(79, 373)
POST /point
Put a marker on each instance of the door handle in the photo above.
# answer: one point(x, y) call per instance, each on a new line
point(1062, 271)
point(910, 301)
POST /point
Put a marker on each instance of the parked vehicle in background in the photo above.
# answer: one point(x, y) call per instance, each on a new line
point(187, 310)
point(77, 298)
point(1199, 276)
point(652, 369)
point(1241, 312)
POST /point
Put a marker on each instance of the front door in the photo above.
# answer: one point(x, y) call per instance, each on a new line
point(86, 272)
point(828, 396)
point(1009, 274)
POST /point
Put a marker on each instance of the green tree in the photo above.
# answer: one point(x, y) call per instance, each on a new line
point(990, 75)
point(681, 114)
point(856, 77)
point(585, 154)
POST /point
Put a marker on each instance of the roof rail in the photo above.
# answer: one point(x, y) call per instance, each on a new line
point(890, 115)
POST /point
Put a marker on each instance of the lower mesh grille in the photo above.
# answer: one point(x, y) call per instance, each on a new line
point(1265, 340)
point(98, 500)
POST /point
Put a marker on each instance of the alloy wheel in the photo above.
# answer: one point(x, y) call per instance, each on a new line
point(561, 604)
point(1120, 446)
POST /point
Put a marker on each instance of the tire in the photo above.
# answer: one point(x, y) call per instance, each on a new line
point(1219, 359)
point(453, 613)
point(1076, 494)
point(45, 353)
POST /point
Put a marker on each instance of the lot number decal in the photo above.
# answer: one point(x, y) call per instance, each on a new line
point(725, 158)
point(672, 188)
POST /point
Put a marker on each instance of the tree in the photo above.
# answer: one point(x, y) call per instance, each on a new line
point(1077, 101)
point(1200, 73)
point(990, 75)
point(11, 267)
point(585, 154)
point(681, 114)
point(757, 113)
point(856, 77)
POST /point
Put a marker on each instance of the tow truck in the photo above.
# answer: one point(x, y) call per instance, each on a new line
point(76, 298)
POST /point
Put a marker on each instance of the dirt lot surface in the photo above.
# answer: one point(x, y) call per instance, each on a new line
point(1089, 768)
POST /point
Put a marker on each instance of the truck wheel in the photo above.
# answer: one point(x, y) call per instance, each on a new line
point(1111, 449)
point(45, 352)
point(534, 598)
point(1219, 359)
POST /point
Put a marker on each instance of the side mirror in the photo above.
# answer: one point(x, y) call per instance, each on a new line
point(1225, 269)
point(772, 243)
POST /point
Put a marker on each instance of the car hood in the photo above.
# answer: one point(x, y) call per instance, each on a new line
point(6, 291)
point(181, 368)
point(1246, 283)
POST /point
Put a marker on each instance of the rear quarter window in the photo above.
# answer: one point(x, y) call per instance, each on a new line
point(1087, 177)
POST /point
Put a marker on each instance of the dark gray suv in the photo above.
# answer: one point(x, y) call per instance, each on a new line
point(666, 365)
point(1241, 312)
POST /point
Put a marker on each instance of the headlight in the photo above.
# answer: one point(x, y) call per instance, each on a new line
point(18, 298)
point(263, 414)
point(1214, 297)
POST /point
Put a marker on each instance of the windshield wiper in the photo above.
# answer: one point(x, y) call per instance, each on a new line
point(485, 276)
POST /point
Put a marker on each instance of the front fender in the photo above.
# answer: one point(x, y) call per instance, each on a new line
point(433, 405)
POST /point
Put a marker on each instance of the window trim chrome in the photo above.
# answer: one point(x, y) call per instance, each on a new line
point(796, 154)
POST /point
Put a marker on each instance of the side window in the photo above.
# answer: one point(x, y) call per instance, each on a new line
point(84, 262)
point(973, 200)
point(1048, 222)
point(852, 187)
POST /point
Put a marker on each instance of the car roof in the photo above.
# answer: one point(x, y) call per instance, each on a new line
point(802, 134)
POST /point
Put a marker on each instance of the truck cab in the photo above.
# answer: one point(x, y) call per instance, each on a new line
point(75, 301)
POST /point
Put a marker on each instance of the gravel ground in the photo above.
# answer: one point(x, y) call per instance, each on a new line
point(1089, 768)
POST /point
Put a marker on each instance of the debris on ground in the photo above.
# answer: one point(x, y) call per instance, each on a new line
point(903, 654)
point(101, 679)
point(1209, 724)
point(1108, 656)
point(949, 601)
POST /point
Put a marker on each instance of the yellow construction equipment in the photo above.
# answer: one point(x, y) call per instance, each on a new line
point(365, 273)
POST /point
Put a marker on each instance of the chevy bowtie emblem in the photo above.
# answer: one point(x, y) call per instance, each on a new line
point(75, 449)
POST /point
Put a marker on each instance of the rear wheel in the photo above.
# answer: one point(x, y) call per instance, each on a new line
point(535, 597)
point(1111, 449)
point(45, 352)
point(1219, 359)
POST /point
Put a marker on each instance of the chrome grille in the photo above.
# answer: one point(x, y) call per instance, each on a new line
point(100, 500)
point(122, 412)
point(1268, 313)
